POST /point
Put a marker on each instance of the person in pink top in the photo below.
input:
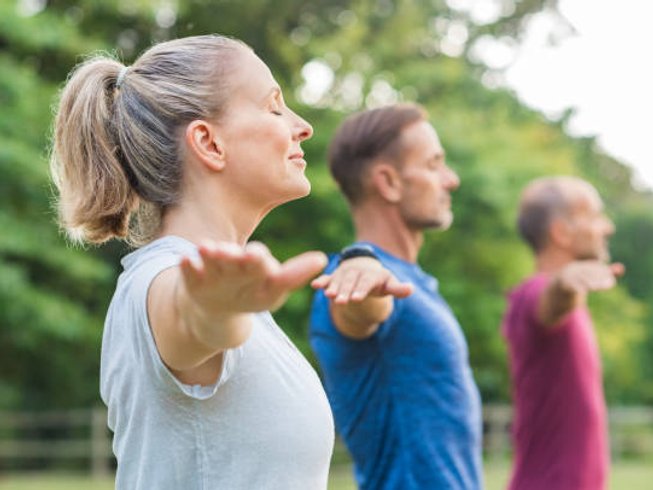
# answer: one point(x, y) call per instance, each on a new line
point(560, 427)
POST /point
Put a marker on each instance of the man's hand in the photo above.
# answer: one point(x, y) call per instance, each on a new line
point(361, 292)
point(570, 286)
point(584, 276)
point(359, 278)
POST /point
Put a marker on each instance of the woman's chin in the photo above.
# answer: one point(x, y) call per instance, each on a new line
point(297, 191)
point(302, 188)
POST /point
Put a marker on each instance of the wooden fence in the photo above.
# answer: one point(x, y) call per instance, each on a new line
point(631, 431)
point(46, 438)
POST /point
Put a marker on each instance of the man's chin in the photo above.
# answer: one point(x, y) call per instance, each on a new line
point(445, 221)
point(441, 224)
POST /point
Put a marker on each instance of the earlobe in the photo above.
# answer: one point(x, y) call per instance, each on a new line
point(203, 142)
point(386, 182)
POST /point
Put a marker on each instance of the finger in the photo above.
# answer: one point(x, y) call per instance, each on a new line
point(618, 269)
point(220, 257)
point(607, 282)
point(342, 279)
point(298, 270)
point(190, 272)
point(259, 258)
point(397, 288)
point(347, 287)
point(257, 248)
point(338, 278)
point(597, 282)
point(321, 282)
point(211, 247)
point(367, 283)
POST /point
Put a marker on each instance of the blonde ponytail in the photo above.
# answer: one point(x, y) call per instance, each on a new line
point(96, 197)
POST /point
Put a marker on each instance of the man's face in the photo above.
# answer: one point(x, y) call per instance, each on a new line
point(427, 181)
point(590, 227)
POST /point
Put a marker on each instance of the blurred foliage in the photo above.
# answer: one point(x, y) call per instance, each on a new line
point(53, 297)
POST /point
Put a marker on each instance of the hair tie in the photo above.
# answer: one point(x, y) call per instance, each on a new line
point(121, 76)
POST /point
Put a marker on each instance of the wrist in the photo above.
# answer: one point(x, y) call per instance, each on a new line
point(355, 251)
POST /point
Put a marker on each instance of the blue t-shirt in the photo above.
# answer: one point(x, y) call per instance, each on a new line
point(404, 399)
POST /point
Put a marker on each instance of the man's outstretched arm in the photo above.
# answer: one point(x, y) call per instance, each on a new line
point(361, 293)
point(570, 286)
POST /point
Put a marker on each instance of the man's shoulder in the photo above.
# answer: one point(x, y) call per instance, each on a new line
point(523, 301)
point(530, 288)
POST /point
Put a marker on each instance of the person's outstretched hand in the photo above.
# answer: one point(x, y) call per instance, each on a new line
point(570, 286)
point(584, 276)
point(230, 279)
point(204, 306)
point(359, 278)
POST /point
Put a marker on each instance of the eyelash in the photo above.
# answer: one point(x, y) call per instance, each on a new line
point(276, 113)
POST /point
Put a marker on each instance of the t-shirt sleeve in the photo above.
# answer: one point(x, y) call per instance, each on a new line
point(530, 297)
point(145, 345)
point(387, 325)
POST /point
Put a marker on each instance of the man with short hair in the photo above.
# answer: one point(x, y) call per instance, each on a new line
point(394, 359)
point(559, 429)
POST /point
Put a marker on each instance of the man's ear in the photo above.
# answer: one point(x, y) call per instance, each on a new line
point(386, 181)
point(560, 232)
point(204, 143)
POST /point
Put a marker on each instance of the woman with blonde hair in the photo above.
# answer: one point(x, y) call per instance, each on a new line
point(183, 154)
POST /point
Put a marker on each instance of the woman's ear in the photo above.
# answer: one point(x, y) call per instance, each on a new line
point(386, 182)
point(203, 142)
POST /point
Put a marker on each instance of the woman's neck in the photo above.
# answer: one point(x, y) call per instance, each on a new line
point(197, 221)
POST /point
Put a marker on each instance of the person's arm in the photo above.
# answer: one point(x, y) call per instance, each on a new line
point(201, 308)
point(570, 286)
point(361, 293)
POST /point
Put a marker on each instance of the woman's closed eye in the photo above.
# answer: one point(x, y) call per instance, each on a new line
point(276, 108)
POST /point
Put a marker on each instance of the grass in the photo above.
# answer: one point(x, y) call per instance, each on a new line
point(626, 475)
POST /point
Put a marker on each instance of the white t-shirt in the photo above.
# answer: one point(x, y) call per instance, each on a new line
point(265, 424)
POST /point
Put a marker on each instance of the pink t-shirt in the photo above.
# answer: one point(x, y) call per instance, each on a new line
point(559, 428)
